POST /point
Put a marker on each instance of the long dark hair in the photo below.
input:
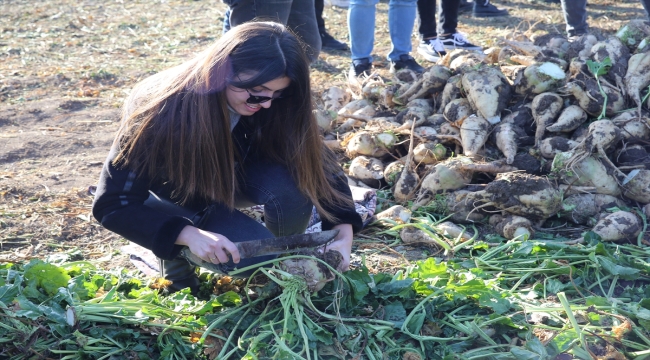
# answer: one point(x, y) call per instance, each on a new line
point(176, 124)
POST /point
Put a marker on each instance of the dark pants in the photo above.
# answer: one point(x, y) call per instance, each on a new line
point(427, 14)
point(286, 212)
point(298, 15)
point(575, 15)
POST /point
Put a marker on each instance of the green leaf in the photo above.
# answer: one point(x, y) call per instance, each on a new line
point(429, 269)
point(395, 312)
point(360, 282)
point(415, 323)
point(46, 276)
point(596, 301)
point(599, 68)
point(27, 308)
point(8, 293)
point(554, 286)
point(624, 272)
point(565, 339)
point(399, 288)
point(522, 354)
point(493, 300)
point(537, 347)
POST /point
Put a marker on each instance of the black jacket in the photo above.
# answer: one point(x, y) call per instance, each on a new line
point(120, 196)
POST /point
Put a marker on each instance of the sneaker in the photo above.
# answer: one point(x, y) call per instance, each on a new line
point(405, 62)
point(431, 49)
point(465, 6)
point(360, 67)
point(457, 41)
point(330, 43)
point(483, 8)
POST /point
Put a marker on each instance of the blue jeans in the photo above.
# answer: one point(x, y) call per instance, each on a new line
point(298, 15)
point(575, 15)
point(361, 23)
point(286, 212)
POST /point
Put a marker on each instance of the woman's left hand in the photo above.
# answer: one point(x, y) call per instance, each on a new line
point(343, 244)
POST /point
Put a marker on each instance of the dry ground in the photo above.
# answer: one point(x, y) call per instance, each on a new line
point(66, 66)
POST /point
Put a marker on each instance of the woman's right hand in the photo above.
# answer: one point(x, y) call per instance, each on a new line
point(209, 246)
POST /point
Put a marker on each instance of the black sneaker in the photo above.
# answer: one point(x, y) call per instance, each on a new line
point(431, 49)
point(483, 8)
point(330, 43)
point(360, 67)
point(405, 62)
point(457, 41)
point(465, 6)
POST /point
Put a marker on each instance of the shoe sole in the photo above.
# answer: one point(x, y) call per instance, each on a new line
point(475, 48)
point(428, 57)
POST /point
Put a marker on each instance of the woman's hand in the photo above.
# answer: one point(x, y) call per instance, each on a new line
point(209, 246)
point(343, 244)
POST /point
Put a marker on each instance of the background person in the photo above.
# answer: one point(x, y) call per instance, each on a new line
point(575, 16)
point(433, 46)
point(361, 23)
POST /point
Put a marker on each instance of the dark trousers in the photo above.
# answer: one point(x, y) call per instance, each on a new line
point(448, 16)
point(298, 15)
point(575, 15)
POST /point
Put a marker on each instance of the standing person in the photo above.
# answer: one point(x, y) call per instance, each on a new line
point(433, 46)
point(361, 22)
point(483, 8)
point(298, 15)
point(228, 129)
point(327, 40)
point(575, 16)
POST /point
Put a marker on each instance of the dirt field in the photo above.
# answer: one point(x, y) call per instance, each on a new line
point(65, 68)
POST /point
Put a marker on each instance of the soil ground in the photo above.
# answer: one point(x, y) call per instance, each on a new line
point(66, 66)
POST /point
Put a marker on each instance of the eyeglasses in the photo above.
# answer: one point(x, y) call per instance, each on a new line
point(254, 99)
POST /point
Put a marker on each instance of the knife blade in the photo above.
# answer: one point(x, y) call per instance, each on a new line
point(271, 246)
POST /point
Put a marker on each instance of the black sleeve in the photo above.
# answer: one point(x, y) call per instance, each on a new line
point(345, 214)
point(119, 207)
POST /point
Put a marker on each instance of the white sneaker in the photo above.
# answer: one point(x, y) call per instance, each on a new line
point(432, 49)
point(457, 41)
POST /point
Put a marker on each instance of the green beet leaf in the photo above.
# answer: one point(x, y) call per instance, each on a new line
point(624, 272)
point(493, 300)
point(46, 276)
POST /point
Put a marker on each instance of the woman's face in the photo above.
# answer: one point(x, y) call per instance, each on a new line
point(237, 97)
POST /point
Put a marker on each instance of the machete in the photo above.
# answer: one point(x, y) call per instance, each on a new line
point(271, 246)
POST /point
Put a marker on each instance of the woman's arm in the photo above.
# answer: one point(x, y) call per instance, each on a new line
point(119, 207)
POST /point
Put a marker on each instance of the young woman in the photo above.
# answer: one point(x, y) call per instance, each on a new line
point(228, 129)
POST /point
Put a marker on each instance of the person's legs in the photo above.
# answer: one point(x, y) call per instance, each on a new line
point(286, 209)
point(327, 40)
point(401, 18)
point(361, 23)
point(483, 8)
point(319, 6)
point(449, 36)
point(430, 46)
point(448, 16)
point(302, 20)
point(427, 16)
point(298, 15)
point(575, 16)
point(226, 21)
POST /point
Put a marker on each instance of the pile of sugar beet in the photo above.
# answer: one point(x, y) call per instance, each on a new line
point(529, 130)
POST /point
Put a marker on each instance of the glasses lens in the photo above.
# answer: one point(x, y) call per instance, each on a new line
point(254, 99)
